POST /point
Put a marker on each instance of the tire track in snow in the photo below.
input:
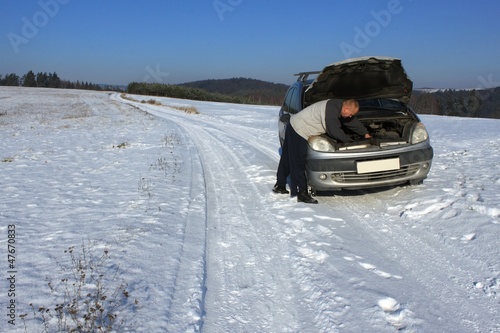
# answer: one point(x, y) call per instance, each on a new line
point(185, 303)
point(248, 275)
point(189, 285)
point(243, 293)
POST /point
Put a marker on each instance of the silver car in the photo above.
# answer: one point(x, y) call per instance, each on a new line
point(399, 151)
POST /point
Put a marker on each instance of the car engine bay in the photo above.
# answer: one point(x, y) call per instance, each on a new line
point(385, 133)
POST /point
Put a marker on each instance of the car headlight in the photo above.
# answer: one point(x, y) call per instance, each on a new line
point(419, 134)
point(320, 143)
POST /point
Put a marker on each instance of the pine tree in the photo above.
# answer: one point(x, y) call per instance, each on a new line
point(42, 79)
point(53, 81)
point(29, 79)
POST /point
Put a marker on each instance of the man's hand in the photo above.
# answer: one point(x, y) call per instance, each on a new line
point(368, 136)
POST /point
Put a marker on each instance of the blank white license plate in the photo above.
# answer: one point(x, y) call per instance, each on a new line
point(379, 165)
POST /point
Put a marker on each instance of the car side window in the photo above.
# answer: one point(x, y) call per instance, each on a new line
point(288, 100)
point(292, 101)
point(295, 102)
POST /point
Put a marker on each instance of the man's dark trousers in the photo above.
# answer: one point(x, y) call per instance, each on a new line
point(293, 162)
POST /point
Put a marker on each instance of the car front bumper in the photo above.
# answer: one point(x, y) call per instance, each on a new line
point(340, 170)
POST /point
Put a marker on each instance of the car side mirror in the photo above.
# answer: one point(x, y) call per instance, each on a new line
point(285, 118)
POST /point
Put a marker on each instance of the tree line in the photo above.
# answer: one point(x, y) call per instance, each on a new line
point(44, 80)
point(178, 91)
point(476, 103)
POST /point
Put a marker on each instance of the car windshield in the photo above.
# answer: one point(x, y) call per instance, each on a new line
point(381, 103)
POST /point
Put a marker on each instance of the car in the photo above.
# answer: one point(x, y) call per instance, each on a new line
point(399, 151)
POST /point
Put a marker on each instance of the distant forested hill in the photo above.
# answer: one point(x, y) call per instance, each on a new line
point(478, 103)
point(260, 92)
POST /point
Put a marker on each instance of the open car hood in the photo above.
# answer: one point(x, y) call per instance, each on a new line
point(366, 77)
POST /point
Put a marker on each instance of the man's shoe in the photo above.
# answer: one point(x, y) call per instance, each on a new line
point(280, 189)
point(306, 198)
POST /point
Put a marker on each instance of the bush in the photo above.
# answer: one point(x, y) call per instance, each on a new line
point(85, 300)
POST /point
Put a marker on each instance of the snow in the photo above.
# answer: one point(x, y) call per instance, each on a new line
point(183, 205)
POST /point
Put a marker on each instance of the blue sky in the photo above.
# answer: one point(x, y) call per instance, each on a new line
point(442, 43)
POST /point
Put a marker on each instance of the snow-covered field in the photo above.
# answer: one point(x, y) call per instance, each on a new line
point(197, 242)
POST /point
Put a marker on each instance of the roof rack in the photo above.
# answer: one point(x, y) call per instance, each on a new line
point(302, 76)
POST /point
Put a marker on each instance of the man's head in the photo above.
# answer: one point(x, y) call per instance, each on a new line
point(349, 108)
